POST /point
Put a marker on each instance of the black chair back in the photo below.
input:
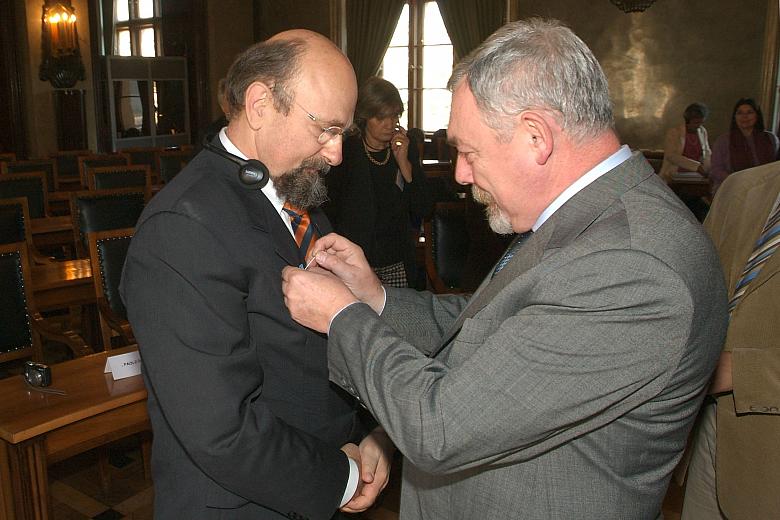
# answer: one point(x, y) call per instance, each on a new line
point(98, 161)
point(29, 185)
point(447, 246)
point(112, 177)
point(42, 165)
point(111, 253)
point(171, 162)
point(104, 210)
point(15, 327)
point(12, 221)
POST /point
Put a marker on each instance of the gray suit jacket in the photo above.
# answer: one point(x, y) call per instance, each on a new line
point(569, 383)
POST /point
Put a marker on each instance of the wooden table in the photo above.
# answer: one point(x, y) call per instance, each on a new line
point(52, 231)
point(59, 285)
point(38, 429)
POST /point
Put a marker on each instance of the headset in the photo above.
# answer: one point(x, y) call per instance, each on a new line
point(252, 173)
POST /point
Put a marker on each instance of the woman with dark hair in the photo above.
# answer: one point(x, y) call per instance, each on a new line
point(379, 189)
point(747, 144)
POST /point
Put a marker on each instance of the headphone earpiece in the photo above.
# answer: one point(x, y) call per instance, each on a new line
point(251, 172)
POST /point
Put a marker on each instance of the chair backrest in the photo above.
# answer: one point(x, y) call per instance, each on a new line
point(68, 161)
point(142, 155)
point(107, 252)
point(446, 246)
point(48, 166)
point(112, 177)
point(171, 162)
point(31, 185)
point(93, 211)
point(7, 156)
point(16, 336)
point(97, 161)
point(14, 219)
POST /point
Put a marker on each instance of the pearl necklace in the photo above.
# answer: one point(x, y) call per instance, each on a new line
point(374, 161)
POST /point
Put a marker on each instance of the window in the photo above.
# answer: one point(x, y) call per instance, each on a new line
point(137, 28)
point(421, 40)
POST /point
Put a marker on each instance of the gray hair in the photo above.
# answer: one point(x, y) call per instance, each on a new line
point(537, 64)
point(275, 63)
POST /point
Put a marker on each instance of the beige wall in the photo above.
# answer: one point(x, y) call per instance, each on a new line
point(676, 52)
point(39, 100)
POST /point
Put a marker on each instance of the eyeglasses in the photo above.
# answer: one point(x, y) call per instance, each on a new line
point(328, 132)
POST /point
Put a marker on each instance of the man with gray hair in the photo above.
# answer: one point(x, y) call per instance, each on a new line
point(566, 386)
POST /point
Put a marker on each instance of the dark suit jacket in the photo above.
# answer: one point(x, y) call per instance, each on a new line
point(570, 380)
point(246, 424)
point(353, 204)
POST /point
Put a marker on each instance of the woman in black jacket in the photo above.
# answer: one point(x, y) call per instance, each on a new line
point(378, 194)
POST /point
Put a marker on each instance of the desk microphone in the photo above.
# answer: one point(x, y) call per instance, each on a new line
point(252, 173)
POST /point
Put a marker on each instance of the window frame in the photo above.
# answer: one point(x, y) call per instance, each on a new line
point(134, 25)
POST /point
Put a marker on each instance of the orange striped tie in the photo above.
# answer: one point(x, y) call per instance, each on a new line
point(304, 232)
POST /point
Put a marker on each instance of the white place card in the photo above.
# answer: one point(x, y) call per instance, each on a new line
point(123, 365)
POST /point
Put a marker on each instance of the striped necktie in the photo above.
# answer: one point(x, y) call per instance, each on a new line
point(511, 251)
point(766, 245)
point(305, 234)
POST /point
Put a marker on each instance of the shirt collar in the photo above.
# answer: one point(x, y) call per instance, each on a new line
point(621, 155)
point(268, 190)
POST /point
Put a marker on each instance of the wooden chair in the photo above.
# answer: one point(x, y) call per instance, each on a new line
point(21, 325)
point(171, 162)
point(113, 177)
point(103, 210)
point(98, 160)
point(68, 167)
point(144, 155)
point(107, 252)
point(7, 157)
point(31, 185)
point(15, 227)
point(47, 166)
point(446, 247)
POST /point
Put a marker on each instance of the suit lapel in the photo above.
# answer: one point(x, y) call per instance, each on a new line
point(563, 226)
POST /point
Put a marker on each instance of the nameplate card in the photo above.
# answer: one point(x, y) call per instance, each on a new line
point(123, 365)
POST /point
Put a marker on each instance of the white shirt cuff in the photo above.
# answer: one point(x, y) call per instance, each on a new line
point(384, 302)
point(352, 482)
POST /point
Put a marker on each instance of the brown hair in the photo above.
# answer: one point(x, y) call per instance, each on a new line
point(377, 98)
point(275, 63)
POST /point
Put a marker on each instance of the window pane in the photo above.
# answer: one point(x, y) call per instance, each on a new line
point(436, 108)
point(401, 34)
point(122, 14)
point(437, 65)
point(395, 67)
point(148, 47)
point(123, 43)
point(433, 26)
point(145, 8)
point(404, 119)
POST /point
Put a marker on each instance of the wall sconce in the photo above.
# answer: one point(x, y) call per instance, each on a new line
point(60, 55)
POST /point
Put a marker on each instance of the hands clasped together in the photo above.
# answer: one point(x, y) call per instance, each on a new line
point(339, 276)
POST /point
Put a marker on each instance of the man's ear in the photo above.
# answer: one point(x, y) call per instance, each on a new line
point(256, 101)
point(537, 131)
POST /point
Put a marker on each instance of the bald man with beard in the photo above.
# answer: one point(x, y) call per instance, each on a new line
point(245, 422)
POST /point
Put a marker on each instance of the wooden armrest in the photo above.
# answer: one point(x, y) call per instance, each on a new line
point(115, 323)
point(75, 342)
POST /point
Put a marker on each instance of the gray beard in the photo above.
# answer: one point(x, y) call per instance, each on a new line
point(496, 218)
point(301, 188)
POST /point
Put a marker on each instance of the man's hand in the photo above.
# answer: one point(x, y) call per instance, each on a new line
point(347, 261)
point(314, 296)
point(376, 451)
